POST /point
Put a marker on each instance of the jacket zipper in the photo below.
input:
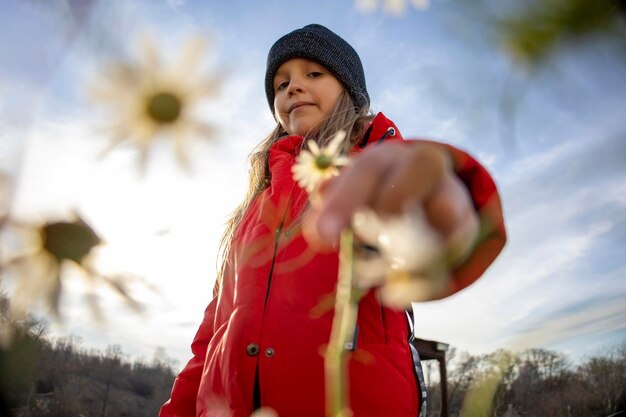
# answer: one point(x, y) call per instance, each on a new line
point(257, 387)
point(271, 273)
point(279, 230)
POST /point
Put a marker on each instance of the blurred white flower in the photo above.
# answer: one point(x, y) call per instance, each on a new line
point(316, 165)
point(148, 98)
point(392, 7)
point(365, 6)
point(420, 4)
point(47, 249)
point(403, 255)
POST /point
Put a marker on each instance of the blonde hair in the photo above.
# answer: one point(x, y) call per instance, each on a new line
point(345, 116)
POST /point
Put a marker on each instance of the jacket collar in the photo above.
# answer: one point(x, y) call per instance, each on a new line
point(379, 129)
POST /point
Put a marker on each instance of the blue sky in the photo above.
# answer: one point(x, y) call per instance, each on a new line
point(554, 139)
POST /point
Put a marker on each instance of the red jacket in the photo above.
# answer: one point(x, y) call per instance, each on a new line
point(273, 312)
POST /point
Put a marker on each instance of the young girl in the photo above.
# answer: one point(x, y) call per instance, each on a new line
point(262, 340)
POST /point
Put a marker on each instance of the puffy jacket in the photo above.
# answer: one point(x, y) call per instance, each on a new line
point(272, 316)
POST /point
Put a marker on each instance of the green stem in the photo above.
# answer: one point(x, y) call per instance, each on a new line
point(342, 333)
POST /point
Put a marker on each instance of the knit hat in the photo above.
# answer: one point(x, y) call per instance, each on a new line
point(319, 44)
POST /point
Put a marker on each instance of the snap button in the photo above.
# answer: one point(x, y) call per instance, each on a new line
point(391, 131)
point(252, 349)
point(269, 352)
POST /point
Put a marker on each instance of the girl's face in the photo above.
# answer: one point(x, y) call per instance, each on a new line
point(305, 94)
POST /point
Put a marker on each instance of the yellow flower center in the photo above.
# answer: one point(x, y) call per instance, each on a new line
point(323, 161)
point(164, 107)
point(71, 241)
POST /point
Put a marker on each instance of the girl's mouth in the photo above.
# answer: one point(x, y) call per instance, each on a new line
point(299, 105)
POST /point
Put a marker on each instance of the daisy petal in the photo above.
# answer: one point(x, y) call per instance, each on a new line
point(314, 149)
point(334, 144)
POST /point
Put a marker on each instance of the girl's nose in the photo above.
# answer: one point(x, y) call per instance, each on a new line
point(295, 86)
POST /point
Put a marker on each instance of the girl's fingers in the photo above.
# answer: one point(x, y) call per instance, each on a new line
point(385, 178)
point(356, 187)
point(413, 177)
point(388, 179)
point(451, 212)
point(462, 237)
point(448, 205)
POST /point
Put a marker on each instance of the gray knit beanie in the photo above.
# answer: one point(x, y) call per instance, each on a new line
point(319, 44)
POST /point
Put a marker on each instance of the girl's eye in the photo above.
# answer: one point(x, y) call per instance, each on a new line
point(315, 74)
point(282, 85)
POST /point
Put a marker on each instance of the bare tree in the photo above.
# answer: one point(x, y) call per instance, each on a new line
point(605, 378)
point(111, 361)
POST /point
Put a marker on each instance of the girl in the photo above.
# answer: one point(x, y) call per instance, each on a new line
point(262, 339)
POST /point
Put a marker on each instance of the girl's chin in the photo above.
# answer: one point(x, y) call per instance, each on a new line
point(302, 129)
point(303, 125)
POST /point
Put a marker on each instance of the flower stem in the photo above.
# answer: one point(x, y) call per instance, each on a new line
point(342, 333)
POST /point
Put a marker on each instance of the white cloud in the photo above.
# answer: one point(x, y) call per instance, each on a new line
point(606, 317)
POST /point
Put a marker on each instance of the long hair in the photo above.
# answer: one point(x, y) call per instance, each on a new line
point(345, 116)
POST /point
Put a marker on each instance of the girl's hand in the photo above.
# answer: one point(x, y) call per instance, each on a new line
point(391, 178)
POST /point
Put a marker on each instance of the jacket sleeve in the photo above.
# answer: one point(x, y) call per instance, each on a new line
point(182, 402)
point(486, 200)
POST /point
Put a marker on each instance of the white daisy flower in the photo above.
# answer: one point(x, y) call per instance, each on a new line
point(148, 98)
point(316, 165)
point(46, 250)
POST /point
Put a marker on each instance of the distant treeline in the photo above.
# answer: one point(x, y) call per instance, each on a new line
point(535, 382)
point(58, 378)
